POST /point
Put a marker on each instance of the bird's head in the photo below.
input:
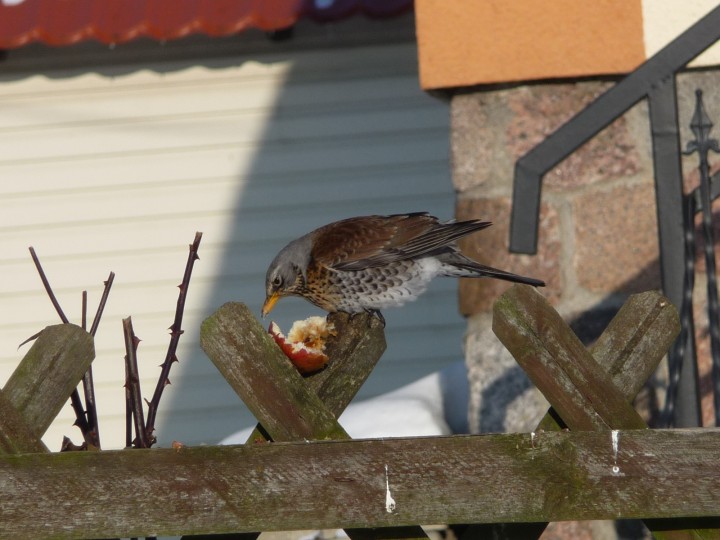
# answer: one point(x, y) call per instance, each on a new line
point(286, 274)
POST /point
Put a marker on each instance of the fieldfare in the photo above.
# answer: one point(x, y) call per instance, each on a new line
point(373, 262)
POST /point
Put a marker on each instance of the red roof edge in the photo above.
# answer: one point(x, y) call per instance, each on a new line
point(65, 22)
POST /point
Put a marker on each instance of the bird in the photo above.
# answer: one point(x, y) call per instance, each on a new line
point(369, 263)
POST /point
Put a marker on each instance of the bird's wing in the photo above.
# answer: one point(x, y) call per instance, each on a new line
point(371, 241)
point(362, 238)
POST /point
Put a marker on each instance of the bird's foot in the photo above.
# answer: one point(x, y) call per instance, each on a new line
point(376, 313)
point(372, 312)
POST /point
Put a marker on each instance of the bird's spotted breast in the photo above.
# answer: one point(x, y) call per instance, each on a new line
point(381, 287)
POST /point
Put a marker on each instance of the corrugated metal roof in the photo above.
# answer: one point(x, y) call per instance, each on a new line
point(64, 22)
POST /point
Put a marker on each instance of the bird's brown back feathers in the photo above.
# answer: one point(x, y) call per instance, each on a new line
point(370, 241)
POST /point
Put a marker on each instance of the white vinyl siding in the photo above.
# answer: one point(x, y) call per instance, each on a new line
point(115, 169)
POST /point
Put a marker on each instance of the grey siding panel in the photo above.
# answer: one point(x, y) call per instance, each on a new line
point(116, 172)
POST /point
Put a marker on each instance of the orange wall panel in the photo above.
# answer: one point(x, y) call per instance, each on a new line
point(468, 42)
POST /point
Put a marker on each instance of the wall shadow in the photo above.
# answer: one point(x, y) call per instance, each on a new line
point(325, 156)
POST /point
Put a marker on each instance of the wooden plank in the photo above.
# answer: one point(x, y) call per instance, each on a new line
point(632, 345)
point(557, 362)
point(629, 349)
point(271, 387)
point(636, 339)
point(348, 484)
point(354, 352)
point(46, 376)
point(41, 385)
point(15, 435)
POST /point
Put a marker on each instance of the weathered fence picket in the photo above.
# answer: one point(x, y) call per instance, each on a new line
point(623, 358)
point(288, 406)
point(383, 488)
point(41, 384)
point(273, 390)
point(15, 435)
point(579, 389)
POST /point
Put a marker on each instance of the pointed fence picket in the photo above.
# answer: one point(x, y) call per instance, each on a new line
point(591, 457)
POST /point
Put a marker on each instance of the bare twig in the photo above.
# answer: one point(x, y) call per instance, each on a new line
point(101, 305)
point(83, 310)
point(128, 416)
point(132, 382)
point(88, 383)
point(175, 333)
point(46, 284)
point(93, 429)
point(81, 420)
point(91, 432)
point(49, 291)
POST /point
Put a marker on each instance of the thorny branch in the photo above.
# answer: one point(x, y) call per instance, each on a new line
point(132, 386)
point(175, 333)
point(80, 419)
point(88, 384)
point(46, 284)
point(101, 305)
point(90, 427)
point(86, 420)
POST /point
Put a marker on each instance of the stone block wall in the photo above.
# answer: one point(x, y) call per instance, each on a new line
point(598, 233)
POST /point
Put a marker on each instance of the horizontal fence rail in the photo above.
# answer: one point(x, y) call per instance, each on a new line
point(291, 476)
point(544, 476)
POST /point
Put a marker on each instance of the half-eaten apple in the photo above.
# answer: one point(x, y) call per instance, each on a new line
point(305, 343)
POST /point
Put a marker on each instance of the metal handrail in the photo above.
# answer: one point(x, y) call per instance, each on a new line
point(654, 80)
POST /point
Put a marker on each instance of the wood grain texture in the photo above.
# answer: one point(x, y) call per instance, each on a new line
point(557, 362)
point(52, 368)
point(300, 408)
point(353, 353)
point(635, 341)
point(632, 345)
point(343, 484)
point(258, 371)
point(15, 435)
point(629, 350)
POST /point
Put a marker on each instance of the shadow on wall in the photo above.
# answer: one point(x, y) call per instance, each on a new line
point(350, 134)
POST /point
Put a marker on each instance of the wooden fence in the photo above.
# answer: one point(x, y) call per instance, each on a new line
point(606, 465)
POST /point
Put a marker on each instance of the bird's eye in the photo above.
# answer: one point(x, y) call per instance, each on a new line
point(277, 281)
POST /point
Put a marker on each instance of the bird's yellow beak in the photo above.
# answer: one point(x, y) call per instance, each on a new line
point(270, 302)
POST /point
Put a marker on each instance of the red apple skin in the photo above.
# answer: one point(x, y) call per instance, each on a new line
point(306, 360)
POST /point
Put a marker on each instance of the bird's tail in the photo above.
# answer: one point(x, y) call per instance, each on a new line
point(460, 266)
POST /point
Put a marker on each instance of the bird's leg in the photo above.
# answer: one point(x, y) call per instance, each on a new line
point(376, 313)
point(373, 312)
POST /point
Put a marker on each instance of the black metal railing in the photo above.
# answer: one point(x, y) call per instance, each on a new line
point(654, 81)
point(701, 200)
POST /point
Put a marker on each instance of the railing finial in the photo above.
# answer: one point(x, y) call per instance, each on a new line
point(701, 126)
